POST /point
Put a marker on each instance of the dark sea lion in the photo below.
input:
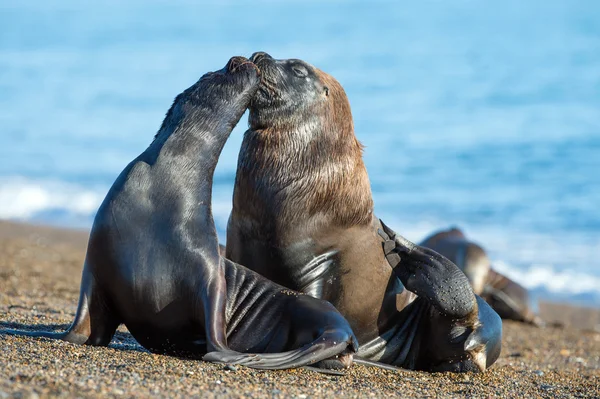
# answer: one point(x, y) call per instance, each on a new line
point(303, 217)
point(153, 258)
point(507, 297)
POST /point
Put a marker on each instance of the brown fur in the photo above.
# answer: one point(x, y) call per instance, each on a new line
point(301, 177)
point(306, 168)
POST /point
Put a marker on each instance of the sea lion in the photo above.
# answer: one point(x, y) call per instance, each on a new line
point(507, 297)
point(303, 217)
point(153, 259)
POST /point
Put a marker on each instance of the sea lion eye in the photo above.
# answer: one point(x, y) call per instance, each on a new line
point(300, 71)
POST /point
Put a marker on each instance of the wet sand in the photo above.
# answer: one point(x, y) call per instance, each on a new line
point(40, 269)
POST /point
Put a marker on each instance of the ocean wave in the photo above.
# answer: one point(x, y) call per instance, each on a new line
point(23, 199)
point(72, 205)
point(549, 279)
point(552, 265)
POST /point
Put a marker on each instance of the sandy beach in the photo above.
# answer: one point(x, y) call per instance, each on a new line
point(40, 269)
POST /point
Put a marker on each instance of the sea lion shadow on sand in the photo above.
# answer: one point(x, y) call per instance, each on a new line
point(120, 341)
point(153, 260)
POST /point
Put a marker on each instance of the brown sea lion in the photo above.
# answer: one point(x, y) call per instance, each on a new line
point(508, 298)
point(153, 259)
point(303, 217)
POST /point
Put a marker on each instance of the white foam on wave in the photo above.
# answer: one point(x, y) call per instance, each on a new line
point(26, 199)
point(22, 198)
point(546, 277)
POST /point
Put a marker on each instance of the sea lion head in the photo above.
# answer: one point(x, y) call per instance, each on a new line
point(237, 80)
point(294, 93)
point(216, 101)
point(473, 344)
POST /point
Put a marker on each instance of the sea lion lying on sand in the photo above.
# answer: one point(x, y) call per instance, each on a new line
point(153, 258)
point(508, 298)
point(303, 217)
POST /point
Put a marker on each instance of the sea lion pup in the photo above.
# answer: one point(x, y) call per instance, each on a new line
point(153, 258)
point(508, 298)
point(303, 217)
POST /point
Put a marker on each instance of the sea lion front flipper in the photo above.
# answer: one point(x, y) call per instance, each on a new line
point(468, 326)
point(328, 345)
point(429, 274)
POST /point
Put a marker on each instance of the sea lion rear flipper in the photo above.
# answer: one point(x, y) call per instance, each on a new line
point(510, 307)
point(94, 322)
point(331, 343)
point(429, 274)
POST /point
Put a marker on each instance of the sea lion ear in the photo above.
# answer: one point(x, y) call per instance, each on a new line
point(326, 91)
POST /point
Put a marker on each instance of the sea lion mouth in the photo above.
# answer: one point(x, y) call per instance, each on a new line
point(239, 63)
point(260, 56)
point(267, 65)
point(268, 90)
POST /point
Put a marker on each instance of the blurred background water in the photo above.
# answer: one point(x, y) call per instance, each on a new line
point(482, 115)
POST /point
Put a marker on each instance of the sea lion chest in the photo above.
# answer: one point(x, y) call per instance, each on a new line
point(344, 266)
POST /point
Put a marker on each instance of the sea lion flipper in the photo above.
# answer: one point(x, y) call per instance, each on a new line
point(230, 357)
point(214, 298)
point(511, 307)
point(330, 344)
point(430, 275)
point(94, 322)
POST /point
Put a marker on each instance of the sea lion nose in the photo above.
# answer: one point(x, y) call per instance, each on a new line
point(236, 62)
point(258, 56)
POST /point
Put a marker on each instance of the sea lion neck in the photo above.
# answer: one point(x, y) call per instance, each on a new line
point(190, 132)
point(186, 148)
point(307, 170)
point(191, 138)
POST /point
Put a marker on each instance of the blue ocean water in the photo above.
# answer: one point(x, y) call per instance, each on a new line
point(483, 115)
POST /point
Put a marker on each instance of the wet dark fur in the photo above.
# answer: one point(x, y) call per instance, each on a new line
point(153, 259)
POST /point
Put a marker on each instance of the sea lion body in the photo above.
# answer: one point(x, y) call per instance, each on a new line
point(153, 259)
point(507, 297)
point(303, 217)
point(467, 255)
